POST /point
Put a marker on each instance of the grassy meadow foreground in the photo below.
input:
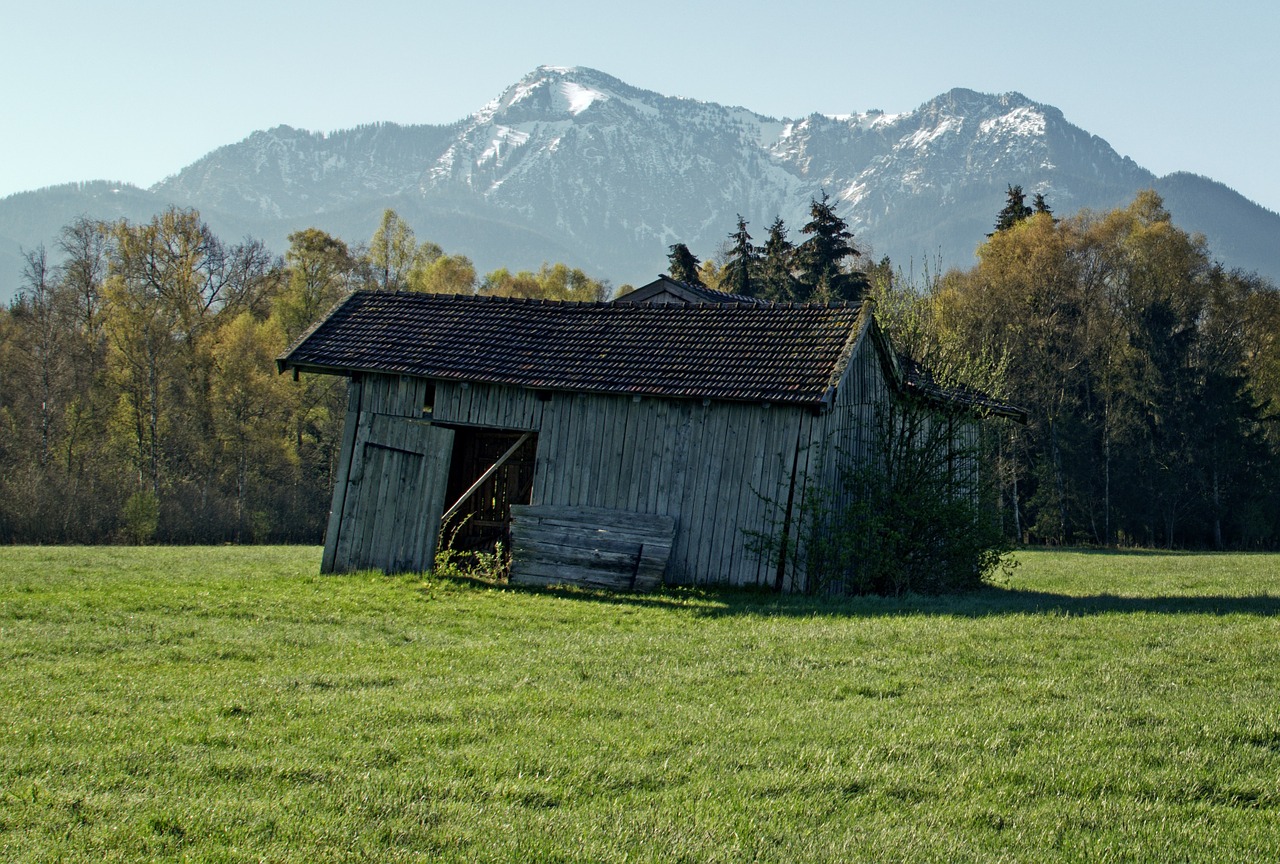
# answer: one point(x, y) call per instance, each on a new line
point(230, 704)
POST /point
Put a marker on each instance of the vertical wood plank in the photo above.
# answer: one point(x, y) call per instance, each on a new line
point(559, 480)
point(604, 413)
point(630, 454)
point(700, 481)
point(545, 456)
point(800, 512)
point(678, 566)
point(720, 444)
point(651, 443)
point(349, 536)
point(585, 436)
point(790, 442)
point(714, 461)
point(439, 450)
point(742, 504)
point(667, 443)
point(755, 515)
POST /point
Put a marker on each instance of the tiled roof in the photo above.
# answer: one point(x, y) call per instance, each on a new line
point(769, 353)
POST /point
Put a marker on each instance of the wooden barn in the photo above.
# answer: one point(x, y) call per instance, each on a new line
point(644, 441)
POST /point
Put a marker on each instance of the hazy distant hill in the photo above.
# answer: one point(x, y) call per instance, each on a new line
point(574, 165)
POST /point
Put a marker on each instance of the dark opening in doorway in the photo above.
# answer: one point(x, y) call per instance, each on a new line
point(483, 518)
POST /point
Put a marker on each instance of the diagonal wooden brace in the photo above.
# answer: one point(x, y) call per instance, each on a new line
point(485, 476)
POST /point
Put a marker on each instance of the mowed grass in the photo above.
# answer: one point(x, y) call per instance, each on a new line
point(230, 704)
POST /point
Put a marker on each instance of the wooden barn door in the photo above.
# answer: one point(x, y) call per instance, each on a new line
point(394, 495)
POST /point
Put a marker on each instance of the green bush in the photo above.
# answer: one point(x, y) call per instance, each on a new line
point(141, 517)
point(917, 516)
point(892, 539)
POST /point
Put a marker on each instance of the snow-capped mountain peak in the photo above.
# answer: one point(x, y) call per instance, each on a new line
point(570, 163)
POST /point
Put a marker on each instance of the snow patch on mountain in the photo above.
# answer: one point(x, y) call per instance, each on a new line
point(579, 98)
point(505, 139)
point(1024, 122)
point(877, 119)
point(925, 136)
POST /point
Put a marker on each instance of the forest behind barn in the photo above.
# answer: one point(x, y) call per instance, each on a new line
point(139, 399)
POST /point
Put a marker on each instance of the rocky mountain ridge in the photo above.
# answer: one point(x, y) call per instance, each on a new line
point(575, 165)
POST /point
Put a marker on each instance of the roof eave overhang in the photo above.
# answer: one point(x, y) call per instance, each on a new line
point(959, 405)
point(864, 323)
point(285, 364)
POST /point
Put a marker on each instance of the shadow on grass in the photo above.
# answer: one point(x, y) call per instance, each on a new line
point(715, 601)
point(1005, 601)
point(719, 602)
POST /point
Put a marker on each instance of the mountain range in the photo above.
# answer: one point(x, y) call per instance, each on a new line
point(574, 165)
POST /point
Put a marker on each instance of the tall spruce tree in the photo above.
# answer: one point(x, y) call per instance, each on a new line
point(739, 275)
point(821, 258)
point(1015, 209)
point(684, 264)
point(776, 281)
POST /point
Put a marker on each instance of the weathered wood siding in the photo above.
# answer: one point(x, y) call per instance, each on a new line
point(725, 471)
point(391, 479)
point(496, 406)
point(722, 469)
point(841, 436)
point(851, 434)
point(615, 549)
point(862, 392)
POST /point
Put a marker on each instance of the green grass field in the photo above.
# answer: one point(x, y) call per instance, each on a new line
point(230, 704)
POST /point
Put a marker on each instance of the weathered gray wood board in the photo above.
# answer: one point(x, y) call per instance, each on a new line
point(589, 546)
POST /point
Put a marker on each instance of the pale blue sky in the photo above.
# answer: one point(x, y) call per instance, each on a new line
point(134, 91)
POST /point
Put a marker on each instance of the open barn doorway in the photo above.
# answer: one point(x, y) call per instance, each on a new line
point(490, 470)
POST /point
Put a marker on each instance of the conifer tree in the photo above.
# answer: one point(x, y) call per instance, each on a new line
point(739, 275)
point(1039, 205)
point(775, 281)
point(1015, 209)
point(821, 258)
point(684, 264)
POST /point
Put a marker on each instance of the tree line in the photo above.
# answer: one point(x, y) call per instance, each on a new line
point(820, 269)
point(139, 398)
point(1150, 373)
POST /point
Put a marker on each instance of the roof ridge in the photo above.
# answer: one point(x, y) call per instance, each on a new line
point(668, 309)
